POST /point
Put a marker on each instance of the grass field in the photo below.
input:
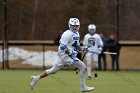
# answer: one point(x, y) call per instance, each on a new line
point(17, 81)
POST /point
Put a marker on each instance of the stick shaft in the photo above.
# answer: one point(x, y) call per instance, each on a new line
point(83, 57)
point(110, 53)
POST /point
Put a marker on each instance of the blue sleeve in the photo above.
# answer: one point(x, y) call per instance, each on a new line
point(63, 47)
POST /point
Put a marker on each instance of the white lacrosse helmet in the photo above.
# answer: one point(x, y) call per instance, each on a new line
point(91, 28)
point(74, 21)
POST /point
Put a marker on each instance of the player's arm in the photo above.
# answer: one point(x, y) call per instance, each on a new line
point(63, 44)
point(64, 41)
point(85, 43)
point(100, 42)
point(100, 45)
point(68, 51)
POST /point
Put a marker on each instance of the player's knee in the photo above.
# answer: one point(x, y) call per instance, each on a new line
point(83, 69)
point(96, 64)
point(96, 60)
point(88, 64)
point(51, 71)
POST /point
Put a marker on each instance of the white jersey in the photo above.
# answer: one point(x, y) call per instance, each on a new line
point(70, 39)
point(96, 39)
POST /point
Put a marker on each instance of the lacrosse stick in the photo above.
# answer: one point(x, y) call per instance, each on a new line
point(110, 53)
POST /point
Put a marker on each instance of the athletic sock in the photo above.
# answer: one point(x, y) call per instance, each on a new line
point(37, 77)
point(82, 78)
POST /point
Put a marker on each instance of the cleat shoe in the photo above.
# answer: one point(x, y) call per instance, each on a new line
point(96, 76)
point(89, 77)
point(86, 89)
point(33, 81)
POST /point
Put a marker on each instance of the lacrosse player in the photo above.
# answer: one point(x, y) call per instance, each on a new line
point(67, 52)
point(92, 45)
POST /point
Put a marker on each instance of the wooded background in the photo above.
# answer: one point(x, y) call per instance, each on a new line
point(45, 19)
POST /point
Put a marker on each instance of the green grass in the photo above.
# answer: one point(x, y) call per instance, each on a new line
point(17, 81)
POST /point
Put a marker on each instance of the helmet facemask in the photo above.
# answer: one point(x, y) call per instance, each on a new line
point(74, 23)
point(91, 28)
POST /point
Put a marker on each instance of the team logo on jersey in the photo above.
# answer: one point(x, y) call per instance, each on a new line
point(91, 42)
point(75, 38)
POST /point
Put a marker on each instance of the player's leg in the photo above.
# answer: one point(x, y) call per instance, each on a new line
point(112, 60)
point(88, 60)
point(95, 59)
point(104, 62)
point(117, 62)
point(47, 72)
point(80, 65)
point(99, 61)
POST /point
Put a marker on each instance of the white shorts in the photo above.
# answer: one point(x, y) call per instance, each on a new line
point(65, 60)
point(92, 56)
